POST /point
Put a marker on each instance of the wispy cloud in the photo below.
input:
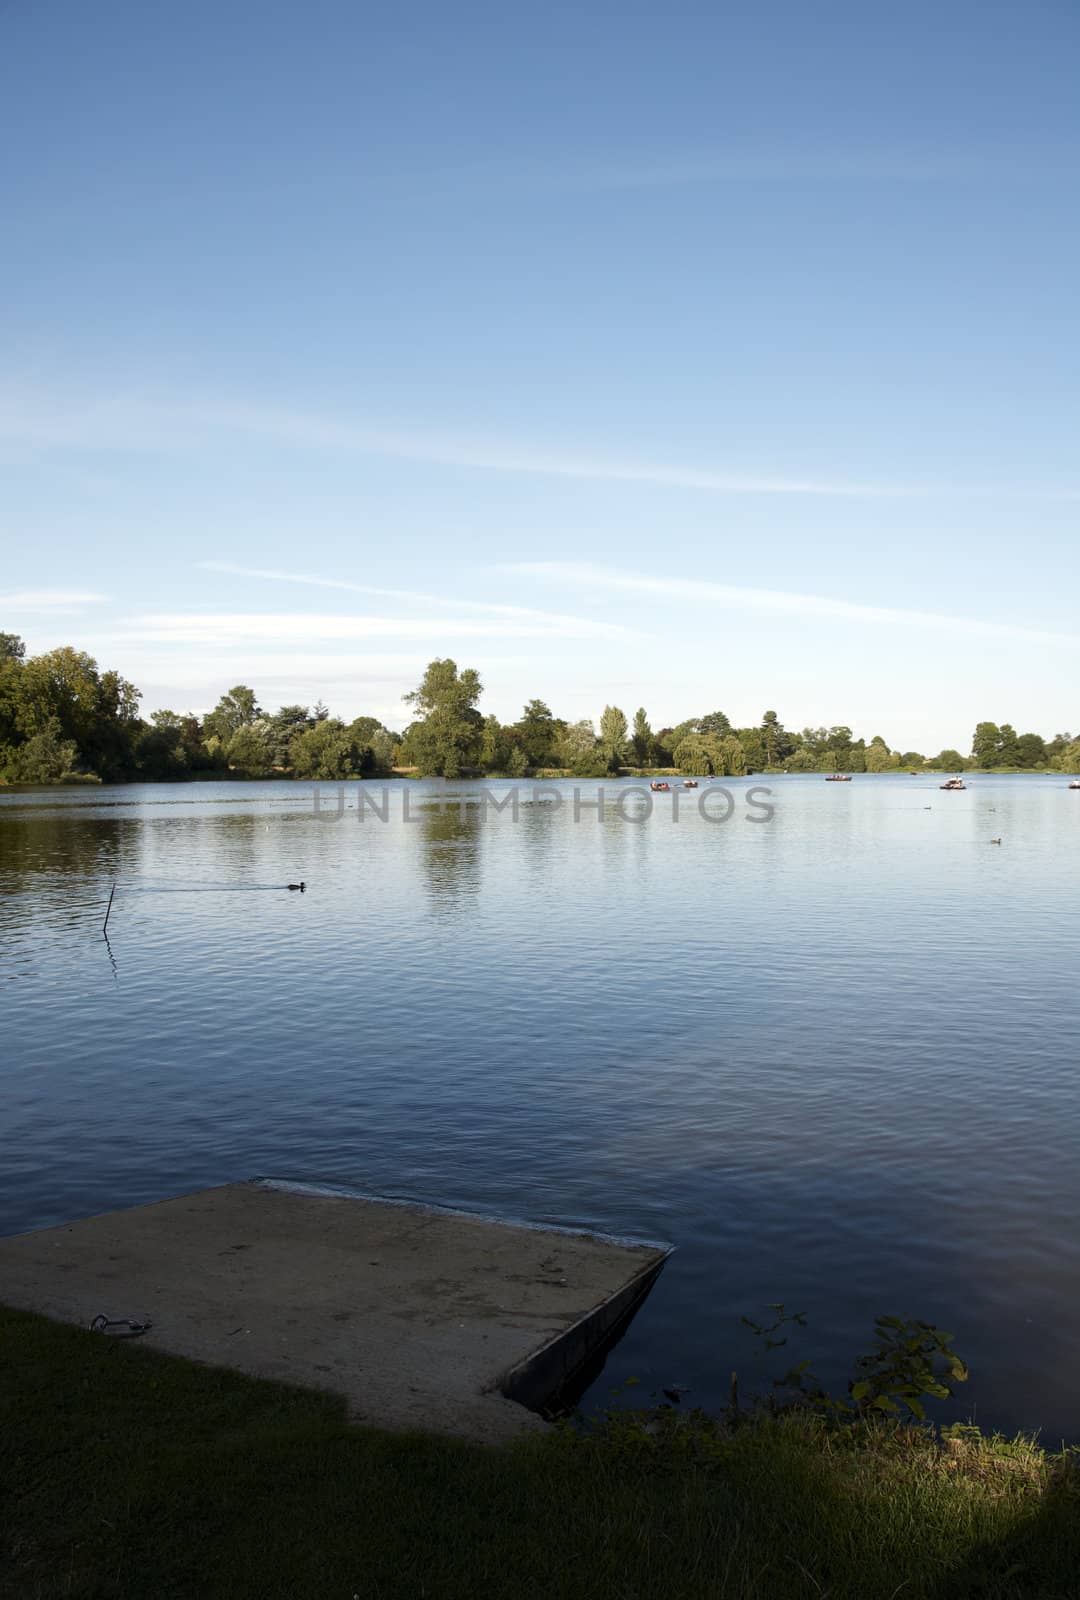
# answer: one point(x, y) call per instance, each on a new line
point(763, 163)
point(171, 673)
point(551, 621)
point(775, 602)
point(187, 669)
point(308, 430)
point(223, 627)
point(143, 421)
point(54, 601)
point(731, 163)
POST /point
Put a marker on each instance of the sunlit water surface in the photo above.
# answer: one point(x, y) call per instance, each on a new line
point(831, 1056)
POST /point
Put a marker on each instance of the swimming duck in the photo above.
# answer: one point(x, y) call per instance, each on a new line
point(300, 886)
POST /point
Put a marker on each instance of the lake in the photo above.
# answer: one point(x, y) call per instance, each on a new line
point(831, 1054)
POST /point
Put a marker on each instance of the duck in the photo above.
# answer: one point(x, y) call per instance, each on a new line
point(995, 841)
point(300, 886)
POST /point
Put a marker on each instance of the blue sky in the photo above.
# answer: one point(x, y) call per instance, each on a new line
point(696, 356)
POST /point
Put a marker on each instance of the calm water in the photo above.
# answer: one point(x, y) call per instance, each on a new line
point(832, 1057)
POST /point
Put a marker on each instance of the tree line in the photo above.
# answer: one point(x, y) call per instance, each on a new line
point(62, 719)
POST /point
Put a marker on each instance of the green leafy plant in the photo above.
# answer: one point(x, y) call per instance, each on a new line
point(799, 1386)
point(782, 1319)
point(911, 1359)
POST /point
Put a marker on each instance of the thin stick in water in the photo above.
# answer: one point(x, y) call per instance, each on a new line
point(108, 908)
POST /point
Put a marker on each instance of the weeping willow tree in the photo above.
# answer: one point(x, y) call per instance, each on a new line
point(732, 755)
point(696, 753)
point(709, 756)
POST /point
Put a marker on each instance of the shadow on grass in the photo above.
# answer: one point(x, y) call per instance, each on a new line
point(124, 1473)
point(1039, 1556)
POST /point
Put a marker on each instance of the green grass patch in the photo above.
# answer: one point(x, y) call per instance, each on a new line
point(127, 1473)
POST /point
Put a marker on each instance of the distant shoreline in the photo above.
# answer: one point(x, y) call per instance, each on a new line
point(541, 775)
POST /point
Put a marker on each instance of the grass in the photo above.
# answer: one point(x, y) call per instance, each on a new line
point(127, 1473)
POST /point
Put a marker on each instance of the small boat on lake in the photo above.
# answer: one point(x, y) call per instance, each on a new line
point(838, 777)
point(691, 783)
point(660, 787)
point(954, 783)
point(1075, 784)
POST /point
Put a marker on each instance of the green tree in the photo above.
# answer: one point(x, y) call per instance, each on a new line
point(753, 748)
point(1009, 748)
point(1069, 758)
point(715, 723)
point(61, 684)
point(12, 647)
point(776, 742)
point(986, 744)
point(448, 737)
point(1030, 750)
point(110, 748)
point(494, 746)
point(330, 750)
point(159, 749)
point(578, 750)
point(46, 757)
point(235, 710)
point(382, 744)
point(694, 754)
point(642, 738)
point(282, 728)
point(614, 737)
point(662, 750)
point(98, 711)
point(197, 755)
point(705, 753)
point(813, 745)
point(248, 750)
point(673, 737)
point(733, 756)
point(537, 732)
point(949, 761)
point(11, 729)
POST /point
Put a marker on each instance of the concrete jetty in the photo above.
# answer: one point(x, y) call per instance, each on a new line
point(422, 1318)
